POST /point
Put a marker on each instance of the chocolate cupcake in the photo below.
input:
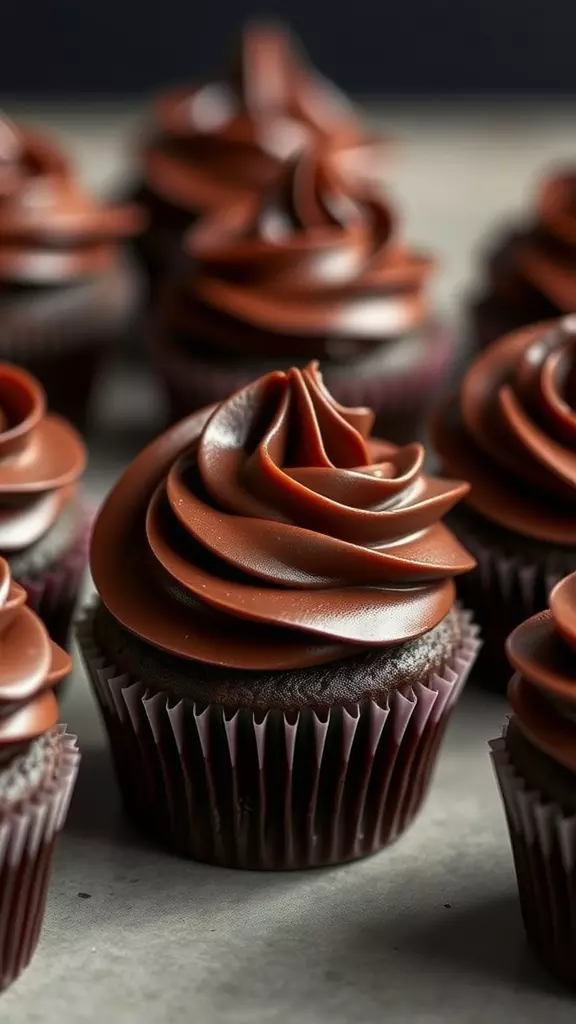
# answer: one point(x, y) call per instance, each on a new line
point(535, 763)
point(313, 268)
point(224, 141)
point(66, 292)
point(276, 648)
point(531, 271)
point(512, 430)
point(38, 767)
point(43, 519)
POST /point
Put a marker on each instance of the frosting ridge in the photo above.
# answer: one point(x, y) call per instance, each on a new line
point(41, 458)
point(513, 426)
point(50, 229)
point(30, 666)
point(542, 650)
point(227, 139)
point(272, 531)
point(313, 267)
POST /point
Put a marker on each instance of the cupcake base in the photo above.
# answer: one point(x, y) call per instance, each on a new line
point(275, 789)
point(543, 838)
point(27, 837)
point(400, 380)
point(62, 334)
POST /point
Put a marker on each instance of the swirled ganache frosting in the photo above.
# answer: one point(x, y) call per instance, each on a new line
point(538, 263)
point(51, 232)
point(41, 459)
point(543, 692)
point(512, 430)
point(30, 666)
point(314, 267)
point(228, 139)
point(272, 532)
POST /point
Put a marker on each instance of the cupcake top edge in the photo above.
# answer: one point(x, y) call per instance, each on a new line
point(51, 229)
point(42, 457)
point(32, 664)
point(274, 531)
point(542, 651)
point(513, 426)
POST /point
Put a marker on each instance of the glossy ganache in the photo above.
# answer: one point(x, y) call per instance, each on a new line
point(535, 268)
point(50, 231)
point(31, 665)
point(512, 432)
point(228, 139)
point(543, 692)
point(41, 459)
point(272, 531)
point(314, 267)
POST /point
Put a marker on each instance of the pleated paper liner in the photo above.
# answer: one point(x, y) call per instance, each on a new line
point(53, 590)
point(27, 838)
point(503, 591)
point(277, 790)
point(543, 839)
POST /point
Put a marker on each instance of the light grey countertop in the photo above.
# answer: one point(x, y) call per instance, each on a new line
point(426, 932)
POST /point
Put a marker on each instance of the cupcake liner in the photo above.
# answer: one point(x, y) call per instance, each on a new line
point(503, 591)
point(27, 838)
point(543, 839)
point(280, 789)
point(399, 395)
point(53, 590)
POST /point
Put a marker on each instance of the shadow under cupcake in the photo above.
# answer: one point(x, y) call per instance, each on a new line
point(276, 649)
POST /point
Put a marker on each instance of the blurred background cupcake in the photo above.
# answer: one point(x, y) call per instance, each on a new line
point(226, 140)
point(66, 293)
point(531, 270)
point(314, 267)
point(277, 648)
point(38, 768)
point(511, 430)
point(44, 520)
point(535, 764)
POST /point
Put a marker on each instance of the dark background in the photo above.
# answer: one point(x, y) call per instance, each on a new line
point(124, 47)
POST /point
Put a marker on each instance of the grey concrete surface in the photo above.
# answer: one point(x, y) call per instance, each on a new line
point(428, 931)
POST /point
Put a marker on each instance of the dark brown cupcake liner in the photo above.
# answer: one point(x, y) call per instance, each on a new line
point(543, 838)
point(503, 591)
point(53, 590)
point(27, 838)
point(277, 790)
point(400, 398)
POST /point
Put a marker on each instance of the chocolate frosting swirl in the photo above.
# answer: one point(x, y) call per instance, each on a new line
point(50, 230)
point(41, 458)
point(543, 256)
point(314, 267)
point(271, 531)
point(513, 432)
point(543, 692)
point(228, 139)
point(30, 666)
